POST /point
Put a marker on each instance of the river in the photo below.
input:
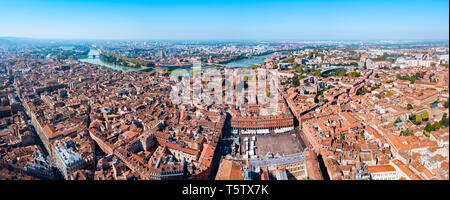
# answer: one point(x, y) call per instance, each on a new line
point(93, 58)
point(247, 62)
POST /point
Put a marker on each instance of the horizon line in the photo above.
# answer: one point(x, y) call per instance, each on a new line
point(218, 39)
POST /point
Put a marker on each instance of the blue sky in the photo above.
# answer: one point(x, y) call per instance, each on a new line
point(228, 20)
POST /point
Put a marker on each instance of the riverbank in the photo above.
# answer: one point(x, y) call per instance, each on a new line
point(94, 58)
point(113, 59)
point(240, 61)
point(246, 61)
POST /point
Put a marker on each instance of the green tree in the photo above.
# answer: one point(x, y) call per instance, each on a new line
point(362, 91)
point(444, 120)
point(425, 115)
point(429, 127)
point(317, 73)
point(406, 133)
point(398, 120)
point(141, 154)
point(436, 125)
point(299, 69)
point(295, 81)
point(342, 72)
point(354, 74)
point(253, 66)
point(418, 119)
point(409, 107)
point(412, 118)
point(426, 133)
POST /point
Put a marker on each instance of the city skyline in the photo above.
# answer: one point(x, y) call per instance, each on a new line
point(134, 110)
point(210, 91)
point(233, 20)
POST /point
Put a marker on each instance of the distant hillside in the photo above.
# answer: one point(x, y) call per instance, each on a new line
point(23, 41)
point(6, 42)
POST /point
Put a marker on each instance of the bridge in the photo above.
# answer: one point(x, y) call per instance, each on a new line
point(92, 53)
